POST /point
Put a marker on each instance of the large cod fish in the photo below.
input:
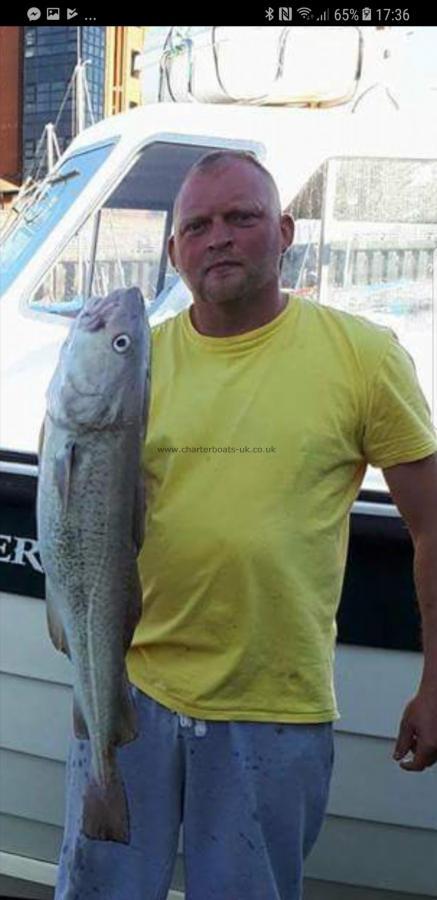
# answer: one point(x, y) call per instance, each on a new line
point(90, 513)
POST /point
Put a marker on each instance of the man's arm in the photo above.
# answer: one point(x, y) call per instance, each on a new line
point(413, 487)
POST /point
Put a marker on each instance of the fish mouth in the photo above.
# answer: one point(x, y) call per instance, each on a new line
point(83, 393)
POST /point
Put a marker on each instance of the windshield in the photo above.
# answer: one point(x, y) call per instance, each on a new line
point(124, 242)
point(49, 204)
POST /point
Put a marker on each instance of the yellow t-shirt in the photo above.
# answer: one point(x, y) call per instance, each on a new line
point(256, 449)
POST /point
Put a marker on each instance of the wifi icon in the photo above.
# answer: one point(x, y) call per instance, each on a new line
point(305, 12)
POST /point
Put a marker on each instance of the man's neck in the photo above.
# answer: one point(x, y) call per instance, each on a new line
point(227, 319)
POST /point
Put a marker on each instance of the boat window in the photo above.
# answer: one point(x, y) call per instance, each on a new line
point(300, 265)
point(366, 234)
point(120, 247)
point(124, 243)
point(42, 207)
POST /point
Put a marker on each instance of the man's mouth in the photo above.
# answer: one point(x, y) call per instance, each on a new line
point(224, 264)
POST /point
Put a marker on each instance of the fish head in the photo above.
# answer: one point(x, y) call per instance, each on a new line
point(102, 374)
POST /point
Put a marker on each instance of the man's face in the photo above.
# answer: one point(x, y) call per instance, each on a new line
point(228, 233)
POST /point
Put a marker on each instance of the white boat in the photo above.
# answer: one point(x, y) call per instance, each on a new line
point(361, 180)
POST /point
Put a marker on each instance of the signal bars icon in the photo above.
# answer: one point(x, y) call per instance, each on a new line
point(324, 17)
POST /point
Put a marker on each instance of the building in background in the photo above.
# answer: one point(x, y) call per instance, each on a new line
point(11, 69)
point(122, 80)
point(50, 57)
point(37, 64)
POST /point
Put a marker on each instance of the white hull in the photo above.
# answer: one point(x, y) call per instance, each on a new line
point(380, 831)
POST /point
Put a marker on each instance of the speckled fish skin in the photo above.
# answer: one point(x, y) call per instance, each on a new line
point(90, 513)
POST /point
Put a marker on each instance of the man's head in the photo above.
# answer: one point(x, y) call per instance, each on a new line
point(229, 233)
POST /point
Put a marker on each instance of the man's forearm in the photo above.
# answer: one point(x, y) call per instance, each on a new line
point(425, 577)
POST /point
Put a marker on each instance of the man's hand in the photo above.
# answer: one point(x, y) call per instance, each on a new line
point(418, 733)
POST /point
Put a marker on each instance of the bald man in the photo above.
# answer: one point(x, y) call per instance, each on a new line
point(265, 411)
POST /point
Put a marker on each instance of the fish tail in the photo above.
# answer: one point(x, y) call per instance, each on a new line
point(105, 810)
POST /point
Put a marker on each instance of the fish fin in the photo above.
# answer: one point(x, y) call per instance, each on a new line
point(140, 504)
point(41, 439)
point(54, 622)
point(139, 515)
point(133, 611)
point(147, 395)
point(79, 725)
point(105, 811)
point(64, 461)
point(127, 723)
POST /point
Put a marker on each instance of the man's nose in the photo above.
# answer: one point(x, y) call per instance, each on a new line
point(220, 234)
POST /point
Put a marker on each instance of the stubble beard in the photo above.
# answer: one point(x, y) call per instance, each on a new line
point(239, 286)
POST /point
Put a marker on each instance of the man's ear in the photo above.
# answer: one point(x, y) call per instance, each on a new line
point(287, 231)
point(171, 251)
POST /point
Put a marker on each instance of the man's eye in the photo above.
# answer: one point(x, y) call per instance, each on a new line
point(194, 226)
point(243, 216)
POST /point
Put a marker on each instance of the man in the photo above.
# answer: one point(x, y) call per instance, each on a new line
point(265, 412)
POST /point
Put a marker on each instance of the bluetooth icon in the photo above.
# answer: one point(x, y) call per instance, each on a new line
point(270, 13)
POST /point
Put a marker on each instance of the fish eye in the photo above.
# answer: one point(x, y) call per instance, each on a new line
point(121, 343)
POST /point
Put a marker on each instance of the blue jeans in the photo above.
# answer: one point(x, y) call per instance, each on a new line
point(251, 795)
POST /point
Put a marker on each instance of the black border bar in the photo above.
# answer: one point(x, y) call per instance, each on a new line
point(259, 13)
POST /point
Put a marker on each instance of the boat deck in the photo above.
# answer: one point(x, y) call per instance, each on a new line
point(12, 889)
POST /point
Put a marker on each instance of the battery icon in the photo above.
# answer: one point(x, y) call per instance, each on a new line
point(367, 14)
